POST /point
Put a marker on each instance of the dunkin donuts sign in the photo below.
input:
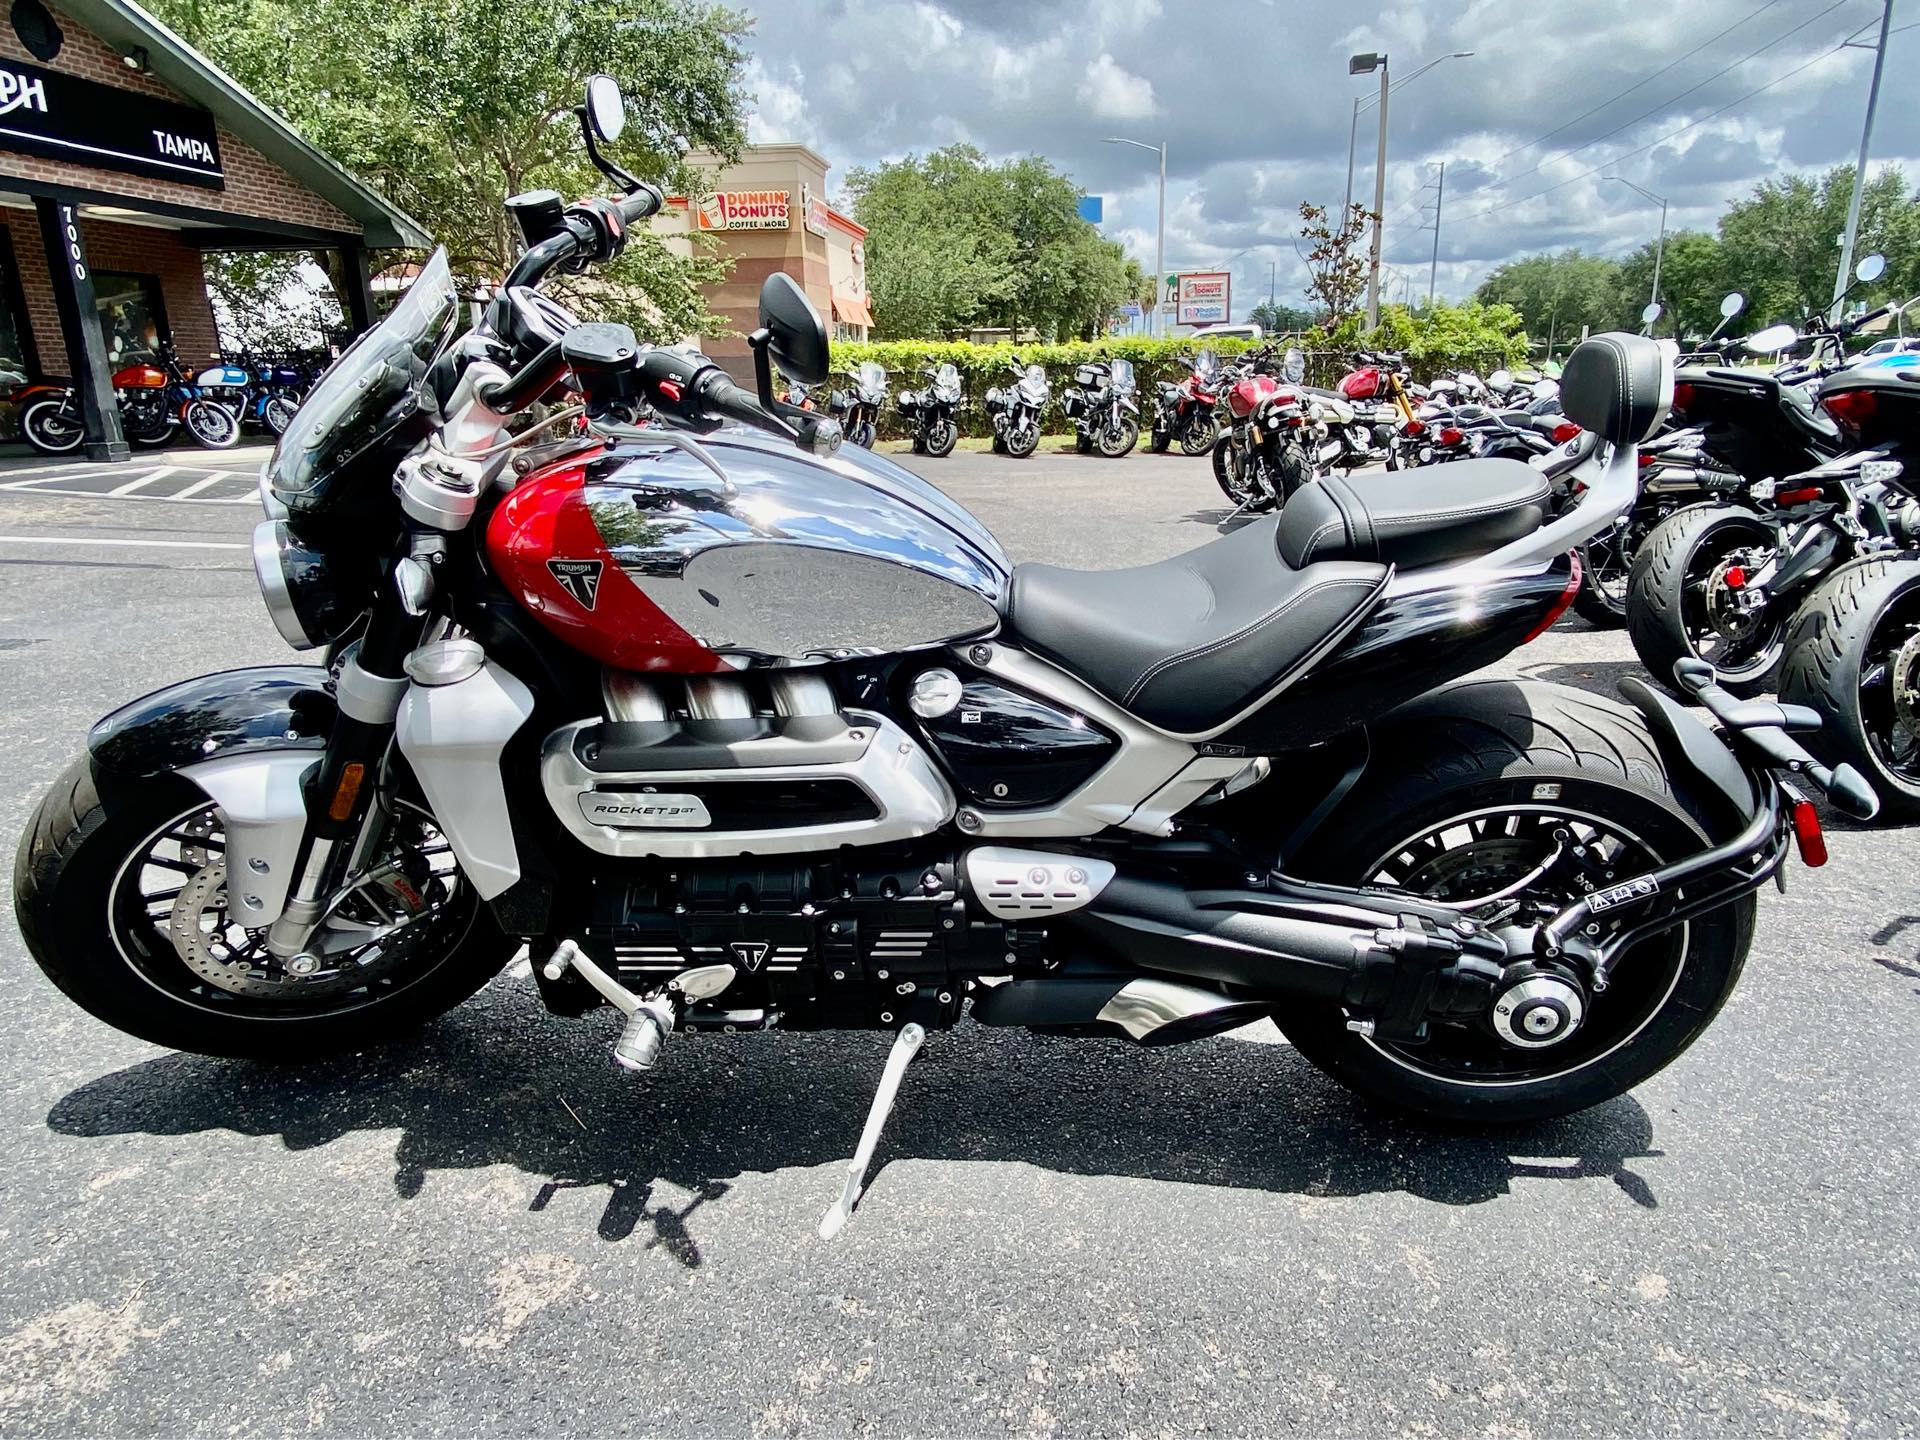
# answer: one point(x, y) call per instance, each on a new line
point(744, 210)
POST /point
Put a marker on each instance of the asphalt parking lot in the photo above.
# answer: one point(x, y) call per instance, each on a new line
point(492, 1231)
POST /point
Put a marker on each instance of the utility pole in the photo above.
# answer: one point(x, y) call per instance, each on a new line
point(1439, 195)
point(1353, 134)
point(1845, 275)
point(1380, 202)
point(1273, 271)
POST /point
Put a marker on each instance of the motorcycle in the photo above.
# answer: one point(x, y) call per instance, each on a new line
point(857, 408)
point(737, 730)
point(1015, 410)
point(1268, 454)
point(1099, 402)
point(1720, 581)
point(1183, 412)
point(930, 411)
point(153, 400)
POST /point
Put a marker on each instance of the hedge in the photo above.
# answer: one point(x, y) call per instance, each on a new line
point(984, 366)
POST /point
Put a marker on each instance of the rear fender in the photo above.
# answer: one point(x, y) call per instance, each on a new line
point(247, 739)
point(1690, 749)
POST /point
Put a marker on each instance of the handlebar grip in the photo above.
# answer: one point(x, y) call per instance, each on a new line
point(644, 202)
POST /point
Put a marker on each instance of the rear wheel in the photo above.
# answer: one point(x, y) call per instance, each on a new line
point(52, 426)
point(1605, 563)
point(1682, 601)
point(1853, 654)
point(122, 901)
point(1230, 474)
point(1534, 793)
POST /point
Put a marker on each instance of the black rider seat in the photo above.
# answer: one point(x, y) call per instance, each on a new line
point(1191, 643)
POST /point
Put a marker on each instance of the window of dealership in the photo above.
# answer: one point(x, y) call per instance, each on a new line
point(125, 157)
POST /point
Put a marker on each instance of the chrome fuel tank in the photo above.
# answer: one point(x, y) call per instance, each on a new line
point(793, 559)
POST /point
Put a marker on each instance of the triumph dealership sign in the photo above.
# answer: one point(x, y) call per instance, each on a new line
point(63, 117)
point(1205, 298)
point(744, 210)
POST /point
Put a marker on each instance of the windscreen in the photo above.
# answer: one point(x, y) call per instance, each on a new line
point(367, 393)
point(1122, 373)
point(872, 375)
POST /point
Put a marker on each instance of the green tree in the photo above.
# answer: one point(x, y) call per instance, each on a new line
point(430, 106)
point(1557, 294)
point(1336, 270)
point(1692, 284)
point(1779, 242)
point(1279, 319)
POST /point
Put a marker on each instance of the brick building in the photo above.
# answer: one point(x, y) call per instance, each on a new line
point(125, 157)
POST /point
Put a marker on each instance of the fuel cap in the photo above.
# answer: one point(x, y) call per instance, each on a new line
point(935, 693)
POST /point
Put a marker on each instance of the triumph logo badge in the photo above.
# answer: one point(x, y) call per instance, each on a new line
point(579, 578)
point(751, 954)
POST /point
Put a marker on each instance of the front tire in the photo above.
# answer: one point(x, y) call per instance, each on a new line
point(52, 426)
point(1461, 805)
point(1117, 441)
point(942, 436)
point(211, 424)
point(1678, 605)
point(1853, 655)
point(1023, 440)
point(80, 892)
point(1198, 438)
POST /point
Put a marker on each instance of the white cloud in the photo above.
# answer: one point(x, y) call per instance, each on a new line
point(780, 113)
point(1112, 92)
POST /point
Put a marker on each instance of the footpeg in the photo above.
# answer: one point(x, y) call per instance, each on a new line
point(906, 1045)
point(650, 1017)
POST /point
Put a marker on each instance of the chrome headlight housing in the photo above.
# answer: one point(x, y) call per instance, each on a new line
point(304, 599)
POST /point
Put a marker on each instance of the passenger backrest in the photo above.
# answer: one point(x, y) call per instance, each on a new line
point(1618, 386)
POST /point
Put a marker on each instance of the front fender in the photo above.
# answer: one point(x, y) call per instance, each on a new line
point(247, 738)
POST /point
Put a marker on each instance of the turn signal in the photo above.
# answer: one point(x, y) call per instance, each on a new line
point(1450, 436)
point(1806, 833)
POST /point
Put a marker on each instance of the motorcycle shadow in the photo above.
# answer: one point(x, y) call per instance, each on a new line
point(492, 1084)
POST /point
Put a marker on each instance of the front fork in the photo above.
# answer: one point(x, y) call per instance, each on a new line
point(343, 818)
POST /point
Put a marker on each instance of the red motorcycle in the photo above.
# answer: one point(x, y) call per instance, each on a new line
point(1184, 413)
point(1260, 462)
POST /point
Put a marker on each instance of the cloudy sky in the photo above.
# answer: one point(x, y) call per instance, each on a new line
point(1253, 100)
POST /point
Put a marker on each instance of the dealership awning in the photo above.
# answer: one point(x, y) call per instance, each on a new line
point(852, 310)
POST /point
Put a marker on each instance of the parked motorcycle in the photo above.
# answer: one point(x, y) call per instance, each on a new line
point(1183, 412)
point(1015, 411)
point(857, 408)
point(154, 400)
point(850, 768)
point(1099, 402)
point(930, 411)
point(1380, 382)
point(1264, 459)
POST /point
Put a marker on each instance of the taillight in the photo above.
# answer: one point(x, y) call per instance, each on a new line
point(1414, 427)
point(1564, 432)
point(1646, 459)
point(1449, 435)
point(1798, 497)
point(1683, 397)
point(1852, 408)
point(1559, 606)
point(1806, 834)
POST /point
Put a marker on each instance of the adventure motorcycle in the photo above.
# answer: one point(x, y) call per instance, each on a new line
point(857, 408)
point(1015, 410)
point(1183, 412)
point(1099, 402)
point(736, 732)
point(930, 411)
point(153, 401)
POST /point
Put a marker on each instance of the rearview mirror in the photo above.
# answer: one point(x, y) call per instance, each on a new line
point(1772, 340)
point(797, 336)
point(1732, 305)
point(1294, 366)
point(606, 109)
point(1870, 269)
point(1650, 313)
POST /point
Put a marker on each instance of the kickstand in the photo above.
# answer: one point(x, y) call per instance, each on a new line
point(906, 1045)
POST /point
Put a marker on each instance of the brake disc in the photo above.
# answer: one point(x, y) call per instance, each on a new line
point(1905, 680)
point(1730, 619)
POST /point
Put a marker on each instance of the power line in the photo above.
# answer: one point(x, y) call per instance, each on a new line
point(1662, 139)
point(1665, 104)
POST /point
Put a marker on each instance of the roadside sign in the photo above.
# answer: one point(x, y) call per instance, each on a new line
point(1205, 297)
point(1092, 208)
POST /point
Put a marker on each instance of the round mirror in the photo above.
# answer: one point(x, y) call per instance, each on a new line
point(1294, 365)
point(606, 111)
point(1732, 305)
point(1500, 381)
point(1870, 269)
point(1772, 340)
point(1650, 314)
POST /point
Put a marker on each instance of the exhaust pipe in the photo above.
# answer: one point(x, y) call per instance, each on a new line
point(1150, 1011)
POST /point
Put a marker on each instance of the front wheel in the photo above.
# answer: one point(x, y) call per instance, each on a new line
point(278, 413)
point(211, 424)
point(52, 426)
point(1159, 438)
point(1498, 792)
point(1683, 601)
point(1198, 437)
point(1230, 474)
point(122, 900)
point(1605, 562)
point(942, 436)
point(861, 434)
point(1853, 655)
point(1023, 440)
point(1118, 440)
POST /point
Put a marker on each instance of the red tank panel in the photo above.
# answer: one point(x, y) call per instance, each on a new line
point(547, 551)
point(1246, 396)
point(139, 377)
point(1362, 384)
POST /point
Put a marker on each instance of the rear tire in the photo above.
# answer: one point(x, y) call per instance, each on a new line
point(1481, 749)
point(1845, 660)
point(68, 897)
point(1668, 595)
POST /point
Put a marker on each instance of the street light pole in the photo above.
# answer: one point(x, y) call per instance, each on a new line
point(1379, 204)
point(1353, 132)
point(1157, 325)
point(1360, 103)
point(1660, 245)
point(1845, 275)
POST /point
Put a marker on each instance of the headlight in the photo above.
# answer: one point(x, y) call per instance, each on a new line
point(303, 598)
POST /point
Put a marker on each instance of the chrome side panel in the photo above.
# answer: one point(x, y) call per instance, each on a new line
point(453, 736)
point(797, 558)
point(263, 815)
